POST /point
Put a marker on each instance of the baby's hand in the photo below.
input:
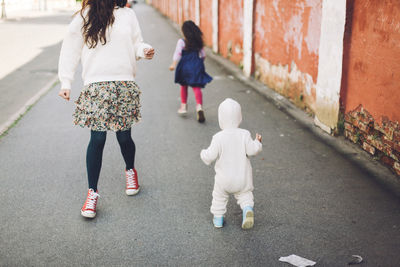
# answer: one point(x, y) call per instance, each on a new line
point(172, 67)
point(259, 137)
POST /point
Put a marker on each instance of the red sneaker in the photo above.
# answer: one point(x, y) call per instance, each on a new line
point(132, 184)
point(89, 208)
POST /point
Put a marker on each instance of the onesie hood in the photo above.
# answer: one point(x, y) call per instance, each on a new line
point(229, 114)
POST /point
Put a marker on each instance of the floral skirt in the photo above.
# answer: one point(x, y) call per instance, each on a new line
point(113, 105)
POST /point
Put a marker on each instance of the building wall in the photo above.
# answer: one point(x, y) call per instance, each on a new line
point(230, 37)
point(172, 10)
point(206, 21)
point(190, 12)
point(286, 41)
point(370, 95)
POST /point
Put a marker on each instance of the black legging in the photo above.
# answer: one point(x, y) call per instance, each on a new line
point(94, 153)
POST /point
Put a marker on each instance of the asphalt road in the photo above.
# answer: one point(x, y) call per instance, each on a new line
point(309, 200)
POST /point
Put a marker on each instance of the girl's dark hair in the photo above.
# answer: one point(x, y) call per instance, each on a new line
point(193, 36)
point(99, 17)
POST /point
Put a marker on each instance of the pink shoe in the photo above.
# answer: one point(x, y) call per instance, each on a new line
point(132, 184)
point(182, 110)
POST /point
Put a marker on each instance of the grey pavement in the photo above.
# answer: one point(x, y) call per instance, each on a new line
point(310, 200)
point(31, 50)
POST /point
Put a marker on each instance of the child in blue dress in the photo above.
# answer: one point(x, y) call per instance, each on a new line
point(188, 63)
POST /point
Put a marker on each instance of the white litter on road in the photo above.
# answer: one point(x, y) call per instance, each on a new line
point(297, 261)
point(357, 260)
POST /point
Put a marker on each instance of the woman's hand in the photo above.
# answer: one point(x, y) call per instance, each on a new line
point(65, 93)
point(148, 53)
point(259, 137)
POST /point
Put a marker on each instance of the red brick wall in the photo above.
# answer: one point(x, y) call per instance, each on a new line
point(370, 95)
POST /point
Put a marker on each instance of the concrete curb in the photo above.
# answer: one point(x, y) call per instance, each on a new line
point(9, 123)
point(352, 152)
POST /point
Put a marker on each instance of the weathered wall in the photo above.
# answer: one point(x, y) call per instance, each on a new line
point(181, 10)
point(286, 42)
point(370, 95)
point(189, 10)
point(206, 21)
point(230, 38)
point(172, 10)
point(330, 64)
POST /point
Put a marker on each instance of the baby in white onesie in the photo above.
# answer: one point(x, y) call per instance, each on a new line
point(231, 149)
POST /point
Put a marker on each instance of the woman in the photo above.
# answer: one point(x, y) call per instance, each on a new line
point(106, 37)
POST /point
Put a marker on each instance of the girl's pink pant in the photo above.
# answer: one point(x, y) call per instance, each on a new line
point(197, 94)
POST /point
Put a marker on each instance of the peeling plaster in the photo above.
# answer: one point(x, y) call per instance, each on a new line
point(296, 24)
point(275, 3)
point(297, 86)
point(293, 33)
point(313, 30)
point(260, 29)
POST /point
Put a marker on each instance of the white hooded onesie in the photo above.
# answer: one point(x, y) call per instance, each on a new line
point(231, 148)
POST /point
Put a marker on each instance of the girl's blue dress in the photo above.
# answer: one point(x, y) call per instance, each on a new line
point(191, 71)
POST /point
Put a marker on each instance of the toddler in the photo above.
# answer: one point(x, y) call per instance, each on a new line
point(231, 148)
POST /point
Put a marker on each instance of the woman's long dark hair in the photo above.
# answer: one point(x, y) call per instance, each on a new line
point(193, 36)
point(99, 17)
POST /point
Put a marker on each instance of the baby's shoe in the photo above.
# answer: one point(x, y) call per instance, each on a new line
point(182, 110)
point(200, 113)
point(89, 208)
point(248, 218)
point(132, 183)
point(218, 221)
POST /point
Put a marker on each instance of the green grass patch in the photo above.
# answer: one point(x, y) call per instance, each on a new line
point(16, 122)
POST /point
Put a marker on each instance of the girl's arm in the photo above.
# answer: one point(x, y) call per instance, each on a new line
point(173, 65)
point(177, 54)
point(211, 153)
point(70, 55)
point(142, 50)
point(202, 53)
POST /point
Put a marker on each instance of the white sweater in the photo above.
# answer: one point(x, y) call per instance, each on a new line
point(114, 61)
point(231, 148)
